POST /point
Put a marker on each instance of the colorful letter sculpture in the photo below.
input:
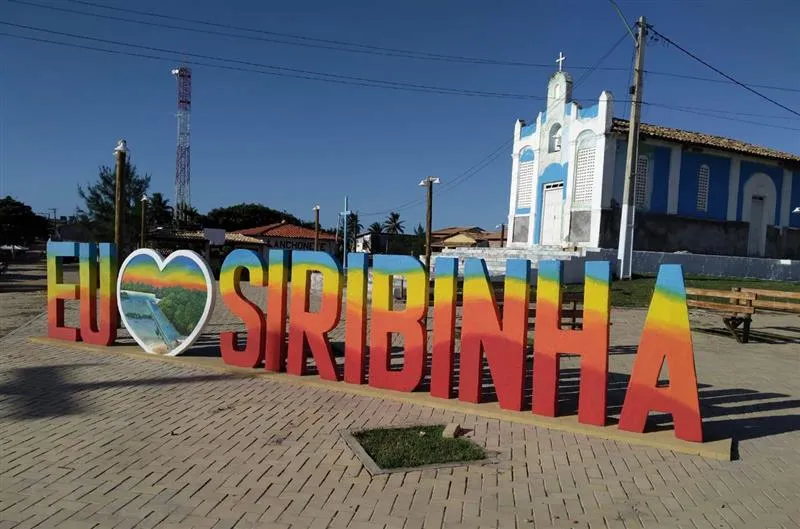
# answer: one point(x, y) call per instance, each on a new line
point(164, 304)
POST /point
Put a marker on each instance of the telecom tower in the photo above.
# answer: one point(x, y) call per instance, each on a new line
point(182, 175)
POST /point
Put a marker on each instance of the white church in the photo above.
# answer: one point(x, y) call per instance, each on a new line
point(693, 192)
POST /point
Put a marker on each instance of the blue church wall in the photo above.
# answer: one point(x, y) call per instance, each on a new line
point(775, 173)
point(794, 218)
point(552, 173)
point(589, 112)
point(527, 130)
point(568, 109)
point(719, 176)
point(659, 158)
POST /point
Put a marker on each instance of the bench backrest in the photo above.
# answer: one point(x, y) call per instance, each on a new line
point(779, 302)
point(738, 302)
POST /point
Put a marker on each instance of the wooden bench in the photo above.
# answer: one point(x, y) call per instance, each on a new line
point(737, 311)
point(773, 300)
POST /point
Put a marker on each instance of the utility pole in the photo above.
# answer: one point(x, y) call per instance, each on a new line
point(121, 152)
point(316, 227)
point(428, 184)
point(502, 234)
point(345, 214)
point(626, 224)
point(144, 214)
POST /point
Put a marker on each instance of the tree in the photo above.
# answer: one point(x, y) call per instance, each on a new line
point(188, 218)
point(393, 225)
point(354, 227)
point(159, 212)
point(375, 228)
point(19, 224)
point(243, 216)
point(419, 231)
point(99, 201)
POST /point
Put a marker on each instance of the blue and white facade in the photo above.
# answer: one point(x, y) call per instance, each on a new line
point(568, 172)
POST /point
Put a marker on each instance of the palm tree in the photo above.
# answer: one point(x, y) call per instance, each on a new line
point(419, 231)
point(393, 225)
point(375, 228)
point(159, 212)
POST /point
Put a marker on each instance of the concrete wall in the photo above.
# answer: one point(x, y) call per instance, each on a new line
point(670, 233)
point(647, 263)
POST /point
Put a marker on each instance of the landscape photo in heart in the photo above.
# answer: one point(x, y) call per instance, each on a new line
point(164, 305)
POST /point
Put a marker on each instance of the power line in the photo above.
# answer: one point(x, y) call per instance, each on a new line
point(304, 40)
point(274, 70)
point(700, 112)
point(722, 81)
point(720, 72)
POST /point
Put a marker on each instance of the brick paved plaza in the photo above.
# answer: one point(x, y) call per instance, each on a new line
point(113, 441)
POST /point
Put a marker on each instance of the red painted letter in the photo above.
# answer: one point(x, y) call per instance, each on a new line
point(355, 331)
point(550, 341)
point(58, 292)
point(504, 344)
point(666, 336)
point(238, 304)
point(98, 296)
point(276, 310)
point(444, 327)
point(314, 326)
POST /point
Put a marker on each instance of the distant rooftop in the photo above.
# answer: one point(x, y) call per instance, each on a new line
point(284, 230)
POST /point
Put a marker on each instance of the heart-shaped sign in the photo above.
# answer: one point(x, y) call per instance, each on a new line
point(164, 304)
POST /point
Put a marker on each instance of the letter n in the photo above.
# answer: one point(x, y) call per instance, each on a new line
point(58, 292)
point(504, 342)
point(253, 317)
point(591, 343)
point(98, 294)
point(444, 320)
point(313, 327)
point(666, 337)
point(410, 322)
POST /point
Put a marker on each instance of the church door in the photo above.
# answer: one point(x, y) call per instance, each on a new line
point(757, 234)
point(552, 209)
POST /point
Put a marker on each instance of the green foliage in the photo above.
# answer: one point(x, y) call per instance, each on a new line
point(375, 228)
point(19, 224)
point(413, 447)
point(182, 307)
point(99, 198)
point(393, 225)
point(159, 211)
point(243, 216)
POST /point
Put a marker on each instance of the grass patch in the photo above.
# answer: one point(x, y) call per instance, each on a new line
point(638, 292)
point(408, 447)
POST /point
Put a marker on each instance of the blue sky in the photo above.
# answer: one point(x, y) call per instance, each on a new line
point(291, 143)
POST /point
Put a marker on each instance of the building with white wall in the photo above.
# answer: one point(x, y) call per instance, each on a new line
point(693, 192)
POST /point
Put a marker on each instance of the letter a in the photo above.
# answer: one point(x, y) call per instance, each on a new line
point(666, 336)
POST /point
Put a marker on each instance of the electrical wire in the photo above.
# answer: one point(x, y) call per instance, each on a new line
point(304, 41)
point(720, 72)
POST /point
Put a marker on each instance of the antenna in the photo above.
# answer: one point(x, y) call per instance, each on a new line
point(182, 168)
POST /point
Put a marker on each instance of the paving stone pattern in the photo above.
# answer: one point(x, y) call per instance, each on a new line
point(102, 440)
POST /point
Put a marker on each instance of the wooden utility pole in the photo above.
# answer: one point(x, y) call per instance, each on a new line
point(119, 194)
point(143, 241)
point(428, 184)
point(316, 227)
point(626, 225)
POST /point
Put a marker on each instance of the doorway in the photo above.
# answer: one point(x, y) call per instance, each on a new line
point(552, 209)
point(756, 236)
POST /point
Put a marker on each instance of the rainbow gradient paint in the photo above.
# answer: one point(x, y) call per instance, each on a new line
point(666, 338)
point(356, 319)
point(58, 292)
point(410, 322)
point(444, 326)
point(164, 304)
point(102, 299)
point(503, 341)
point(277, 278)
point(230, 288)
point(591, 343)
point(313, 327)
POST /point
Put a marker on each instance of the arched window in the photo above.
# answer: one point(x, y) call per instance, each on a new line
point(584, 169)
point(525, 170)
point(703, 177)
point(555, 138)
point(640, 183)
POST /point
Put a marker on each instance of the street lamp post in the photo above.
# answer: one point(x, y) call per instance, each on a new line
point(144, 200)
point(428, 184)
point(316, 227)
point(121, 151)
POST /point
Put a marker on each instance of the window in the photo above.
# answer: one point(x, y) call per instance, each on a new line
point(584, 170)
point(703, 176)
point(555, 138)
point(525, 171)
point(640, 183)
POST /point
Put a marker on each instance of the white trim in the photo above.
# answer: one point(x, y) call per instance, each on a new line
point(675, 159)
point(786, 197)
point(733, 188)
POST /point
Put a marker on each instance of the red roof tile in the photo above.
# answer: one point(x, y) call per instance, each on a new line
point(285, 231)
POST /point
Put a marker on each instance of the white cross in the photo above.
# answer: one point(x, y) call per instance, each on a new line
point(560, 60)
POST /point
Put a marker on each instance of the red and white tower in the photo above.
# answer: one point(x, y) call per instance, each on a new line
point(182, 173)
